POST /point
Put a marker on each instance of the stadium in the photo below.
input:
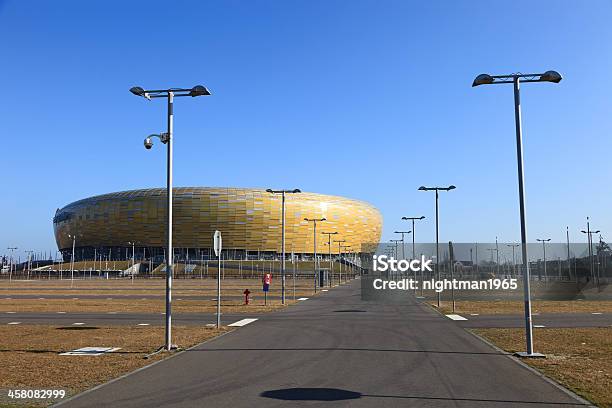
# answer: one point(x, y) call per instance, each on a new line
point(118, 226)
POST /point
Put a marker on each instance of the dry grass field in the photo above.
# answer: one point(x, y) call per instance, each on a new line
point(578, 358)
point(110, 294)
point(29, 355)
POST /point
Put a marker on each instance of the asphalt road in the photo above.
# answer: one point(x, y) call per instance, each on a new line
point(550, 320)
point(335, 350)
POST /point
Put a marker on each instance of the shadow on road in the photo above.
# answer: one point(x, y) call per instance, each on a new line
point(336, 394)
point(311, 394)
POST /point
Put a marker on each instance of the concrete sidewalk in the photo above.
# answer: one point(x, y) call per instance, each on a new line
point(335, 350)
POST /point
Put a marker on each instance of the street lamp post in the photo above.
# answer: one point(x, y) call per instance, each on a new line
point(403, 254)
point(413, 254)
point(30, 252)
point(590, 246)
point(314, 222)
point(513, 258)
point(349, 267)
point(396, 241)
point(340, 256)
point(167, 139)
point(402, 241)
point(437, 189)
point(133, 260)
point(544, 241)
point(331, 264)
point(12, 249)
point(497, 255)
point(72, 259)
point(569, 263)
point(283, 192)
point(516, 79)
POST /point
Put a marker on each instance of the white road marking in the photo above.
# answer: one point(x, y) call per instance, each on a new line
point(211, 325)
point(597, 313)
point(41, 298)
point(8, 298)
point(111, 312)
point(75, 298)
point(535, 314)
point(11, 312)
point(78, 324)
point(242, 322)
point(14, 323)
point(61, 312)
point(473, 314)
point(303, 299)
point(538, 326)
point(324, 290)
point(455, 317)
point(143, 324)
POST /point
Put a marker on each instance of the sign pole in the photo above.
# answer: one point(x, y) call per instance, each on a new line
point(219, 291)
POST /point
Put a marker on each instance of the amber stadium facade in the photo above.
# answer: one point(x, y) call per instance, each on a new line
point(113, 225)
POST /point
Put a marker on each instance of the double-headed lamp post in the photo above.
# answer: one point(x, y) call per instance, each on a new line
point(283, 192)
point(437, 189)
point(314, 223)
point(590, 246)
point(516, 79)
point(513, 258)
point(544, 241)
point(340, 243)
point(167, 138)
point(402, 240)
point(422, 217)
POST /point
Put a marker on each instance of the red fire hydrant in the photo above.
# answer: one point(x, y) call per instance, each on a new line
point(246, 296)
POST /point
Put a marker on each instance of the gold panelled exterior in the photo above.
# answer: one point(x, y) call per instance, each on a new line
point(248, 219)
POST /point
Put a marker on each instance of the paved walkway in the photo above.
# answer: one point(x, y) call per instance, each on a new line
point(335, 350)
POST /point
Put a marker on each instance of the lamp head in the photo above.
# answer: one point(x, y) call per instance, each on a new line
point(199, 90)
point(138, 91)
point(551, 76)
point(422, 188)
point(269, 190)
point(483, 79)
point(451, 187)
point(297, 190)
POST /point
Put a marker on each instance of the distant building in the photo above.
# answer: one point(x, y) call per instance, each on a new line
point(249, 220)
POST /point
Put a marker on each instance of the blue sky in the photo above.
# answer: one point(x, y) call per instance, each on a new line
point(365, 99)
